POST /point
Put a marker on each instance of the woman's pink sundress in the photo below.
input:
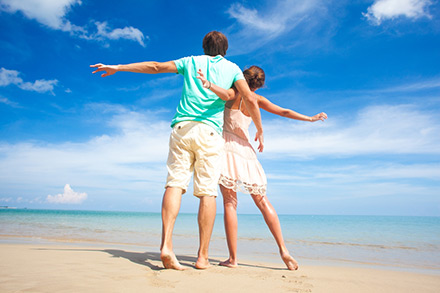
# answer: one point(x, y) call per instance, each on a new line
point(241, 169)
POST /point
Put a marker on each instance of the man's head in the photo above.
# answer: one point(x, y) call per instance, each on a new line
point(215, 43)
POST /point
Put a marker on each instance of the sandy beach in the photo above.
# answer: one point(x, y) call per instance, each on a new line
point(73, 268)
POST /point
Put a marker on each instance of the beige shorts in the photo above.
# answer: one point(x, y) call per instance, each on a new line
point(195, 147)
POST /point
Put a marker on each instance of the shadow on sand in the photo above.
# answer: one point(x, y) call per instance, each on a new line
point(145, 258)
point(149, 258)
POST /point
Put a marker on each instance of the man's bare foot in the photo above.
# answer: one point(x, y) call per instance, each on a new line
point(170, 261)
point(202, 263)
point(228, 263)
point(290, 262)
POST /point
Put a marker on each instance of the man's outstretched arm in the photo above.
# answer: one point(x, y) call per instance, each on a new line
point(150, 67)
point(253, 109)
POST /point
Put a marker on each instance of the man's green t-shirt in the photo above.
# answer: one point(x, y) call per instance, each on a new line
point(198, 103)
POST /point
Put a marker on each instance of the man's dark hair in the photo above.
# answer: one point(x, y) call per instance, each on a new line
point(215, 43)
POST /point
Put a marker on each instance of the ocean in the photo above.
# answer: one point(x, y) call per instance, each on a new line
point(402, 243)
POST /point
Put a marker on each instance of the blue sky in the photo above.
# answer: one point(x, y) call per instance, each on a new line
point(73, 140)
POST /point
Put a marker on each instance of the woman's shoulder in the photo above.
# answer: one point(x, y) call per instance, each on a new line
point(261, 100)
point(259, 97)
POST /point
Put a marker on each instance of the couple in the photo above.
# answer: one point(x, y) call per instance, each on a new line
point(197, 146)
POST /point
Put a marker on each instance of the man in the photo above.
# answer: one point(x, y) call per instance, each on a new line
point(196, 143)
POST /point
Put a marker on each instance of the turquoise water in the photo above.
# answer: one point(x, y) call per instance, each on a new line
point(410, 243)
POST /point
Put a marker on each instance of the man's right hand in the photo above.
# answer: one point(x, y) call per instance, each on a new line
point(108, 69)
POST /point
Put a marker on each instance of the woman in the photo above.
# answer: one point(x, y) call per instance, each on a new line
point(242, 171)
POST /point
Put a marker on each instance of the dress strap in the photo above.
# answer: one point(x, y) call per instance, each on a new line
point(241, 101)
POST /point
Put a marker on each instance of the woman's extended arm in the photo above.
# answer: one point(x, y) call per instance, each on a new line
point(222, 93)
point(275, 109)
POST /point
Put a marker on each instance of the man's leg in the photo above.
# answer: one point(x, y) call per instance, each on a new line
point(170, 209)
point(207, 166)
point(179, 165)
point(206, 218)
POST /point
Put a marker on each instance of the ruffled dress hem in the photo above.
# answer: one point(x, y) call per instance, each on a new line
point(238, 185)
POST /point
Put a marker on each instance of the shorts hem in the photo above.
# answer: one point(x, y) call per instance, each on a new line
point(175, 186)
point(203, 195)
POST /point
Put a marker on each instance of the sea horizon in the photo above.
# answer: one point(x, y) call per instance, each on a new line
point(4, 207)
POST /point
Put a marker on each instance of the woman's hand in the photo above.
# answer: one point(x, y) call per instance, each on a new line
point(260, 138)
point(321, 116)
point(205, 83)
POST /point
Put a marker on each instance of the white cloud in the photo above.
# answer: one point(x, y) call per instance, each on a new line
point(68, 197)
point(376, 130)
point(8, 77)
point(47, 12)
point(128, 33)
point(433, 83)
point(390, 9)
point(379, 181)
point(53, 14)
point(255, 28)
point(138, 148)
point(130, 160)
point(251, 19)
point(9, 103)
point(40, 86)
point(355, 173)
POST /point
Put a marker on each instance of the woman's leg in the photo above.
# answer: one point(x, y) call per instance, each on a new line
point(230, 219)
point(272, 221)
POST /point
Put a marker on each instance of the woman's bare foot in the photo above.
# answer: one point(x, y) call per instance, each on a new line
point(202, 263)
point(290, 262)
point(170, 261)
point(228, 263)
